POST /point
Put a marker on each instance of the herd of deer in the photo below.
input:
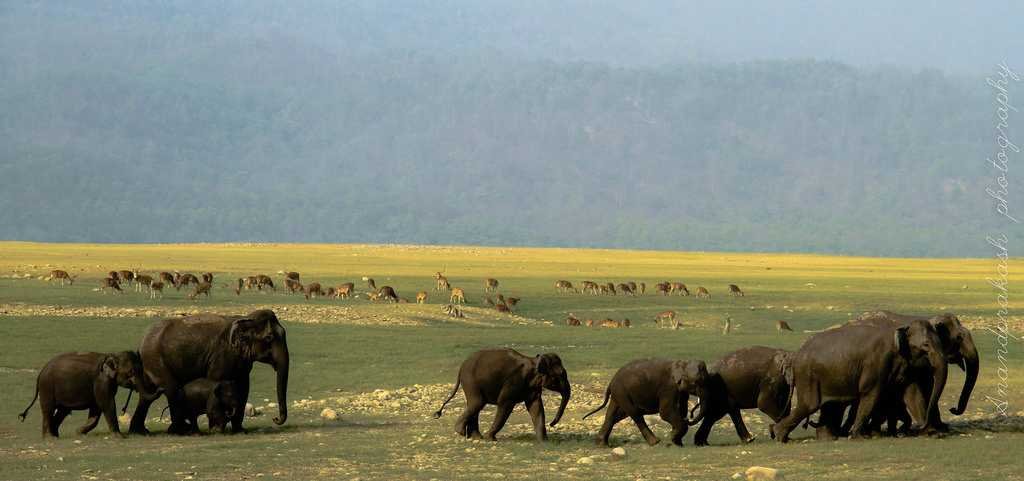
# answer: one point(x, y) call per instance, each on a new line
point(633, 288)
point(154, 285)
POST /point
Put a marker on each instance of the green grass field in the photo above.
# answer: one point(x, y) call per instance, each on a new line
point(386, 368)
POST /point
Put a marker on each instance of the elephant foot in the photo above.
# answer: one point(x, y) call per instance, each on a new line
point(750, 438)
point(653, 441)
point(941, 427)
point(140, 431)
point(700, 442)
point(490, 437)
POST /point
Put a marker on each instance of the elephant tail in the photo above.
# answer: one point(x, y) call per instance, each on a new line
point(458, 381)
point(24, 413)
point(607, 394)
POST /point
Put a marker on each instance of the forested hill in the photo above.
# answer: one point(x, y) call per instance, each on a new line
point(177, 130)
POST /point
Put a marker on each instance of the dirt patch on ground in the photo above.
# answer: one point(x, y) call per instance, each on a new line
point(370, 315)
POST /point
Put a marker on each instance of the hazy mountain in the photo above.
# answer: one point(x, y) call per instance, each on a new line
point(578, 123)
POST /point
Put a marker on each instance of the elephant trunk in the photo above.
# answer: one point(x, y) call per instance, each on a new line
point(970, 365)
point(701, 409)
point(281, 361)
point(566, 393)
point(940, 370)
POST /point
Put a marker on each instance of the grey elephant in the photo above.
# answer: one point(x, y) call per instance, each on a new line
point(864, 365)
point(504, 377)
point(178, 351)
point(654, 386)
point(218, 400)
point(75, 381)
point(754, 377)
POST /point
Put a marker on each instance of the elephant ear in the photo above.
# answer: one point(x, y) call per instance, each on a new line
point(902, 345)
point(108, 367)
point(243, 334)
point(543, 364)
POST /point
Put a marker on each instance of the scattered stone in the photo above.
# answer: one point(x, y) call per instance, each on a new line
point(760, 473)
point(585, 460)
point(250, 410)
point(329, 414)
point(619, 452)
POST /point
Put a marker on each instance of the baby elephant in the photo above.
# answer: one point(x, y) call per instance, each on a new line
point(653, 386)
point(219, 401)
point(84, 380)
point(505, 378)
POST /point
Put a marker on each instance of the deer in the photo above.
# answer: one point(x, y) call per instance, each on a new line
point(571, 320)
point(156, 288)
point(110, 283)
point(735, 290)
point(632, 287)
point(643, 288)
point(781, 325)
point(610, 323)
point(458, 296)
point(512, 302)
point(589, 286)
point(589, 322)
point(313, 289)
point(388, 293)
point(669, 317)
point(421, 297)
point(453, 311)
point(167, 278)
point(490, 284)
point(625, 289)
point(611, 288)
point(264, 281)
point(370, 283)
point(442, 282)
point(183, 280)
point(126, 276)
point(114, 275)
point(293, 285)
point(702, 293)
point(662, 288)
point(679, 288)
point(142, 280)
point(201, 288)
point(208, 277)
point(59, 275)
point(292, 275)
point(344, 291)
point(563, 286)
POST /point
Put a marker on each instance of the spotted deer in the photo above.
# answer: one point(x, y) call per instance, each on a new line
point(421, 297)
point(782, 326)
point(203, 288)
point(313, 289)
point(126, 276)
point(571, 320)
point(563, 286)
point(662, 288)
point(442, 282)
point(344, 291)
point(702, 293)
point(490, 284)
point(142, 280)
point(111, 284)
point(59, 275)
point(387, 293)
point(679, 288)
point(735, 290)
point(208, 277)
point(666, 317)
point(458, 296)
point(156, 289)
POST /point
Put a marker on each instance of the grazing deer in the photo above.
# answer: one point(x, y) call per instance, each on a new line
point(370, 283)
point(603, 289)
point(727, 328)
point(331, 292)
point(669, 317)
point(453, 311)
point(458, 296)
point(571, 320)
point(626, 290)
point(184, 280)
point(201, 288)
point(156, 289)
point(512, 302)
point(373, 295)
point(208, 277)
point(142, 280)
point(421, 297)
point(735, 290)
point(239, 285)
point(610, 323)
point(126, 276)
point(442, 282)
point(663, 288)
point(293, 286)
point(679, 288)
point(292, 275)
point(264, 281)
point(702, 293)
point(167, 278)
point(782, 326)
point(632, 287)
point(611, 288)
point(589, 286)
point(110, 283)
point(313, 289)
point(388, 293)
point(114, 275)
point(563, 286)
point(643, 288)
point(62, 276)
point(344, 291)
point(490, 285)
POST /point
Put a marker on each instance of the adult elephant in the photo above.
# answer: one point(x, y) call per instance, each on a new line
point(754, 377)
point(220, 348)
point(864, 365)
point(958, 348)
point(504, 377)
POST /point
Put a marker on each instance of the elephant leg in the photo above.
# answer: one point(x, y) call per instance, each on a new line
point(242, 385)
point(468, 424)
point(741, 427)
point(830, 417)
point(500, 418)
point(798, 413)
point(612, 415)
point(536, 409)
point(58, 417)
point(669, 412)
point(48, 409)
point(138, 423)
point(846, 427)
point(865, 407)
point(641, 424)
point(700, 438)
point(90, 424)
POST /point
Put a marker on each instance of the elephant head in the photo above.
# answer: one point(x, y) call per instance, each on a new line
point(123, 368)
point(260, 337)
point(691, 377)
point(919, 344)
point(959, 349)
point(552, 375)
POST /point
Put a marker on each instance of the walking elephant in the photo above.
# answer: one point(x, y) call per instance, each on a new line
point(754, 377)
point(864, 365)
point(654, 386)
point(220, 348)
point(505, 377)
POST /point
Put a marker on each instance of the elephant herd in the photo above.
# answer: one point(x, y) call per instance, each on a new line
point(200, 363)
point(885, 368)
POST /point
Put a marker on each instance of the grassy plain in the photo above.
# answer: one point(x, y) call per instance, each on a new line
point(385, 368)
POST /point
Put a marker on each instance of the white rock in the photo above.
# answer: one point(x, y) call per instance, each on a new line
point(585, 460)
point(619, 452)
point(250, 410)
point(271, 405)
point(329, 414)
point(760, 473)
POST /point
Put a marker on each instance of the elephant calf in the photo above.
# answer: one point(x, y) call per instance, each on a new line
point(76, 381)
point(505, 377)
point(653, 386)
point(219, 401)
